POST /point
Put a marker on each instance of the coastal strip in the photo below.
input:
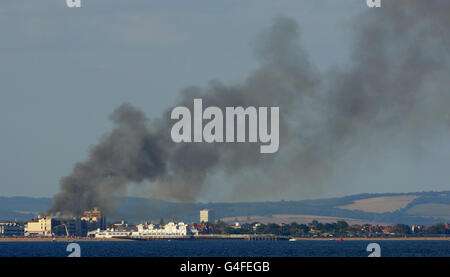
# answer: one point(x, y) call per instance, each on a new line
point(85, 239)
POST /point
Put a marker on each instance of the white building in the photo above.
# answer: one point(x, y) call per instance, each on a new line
point(170, 229)
point(145, 230)
point(109, 233)
point(207, 216)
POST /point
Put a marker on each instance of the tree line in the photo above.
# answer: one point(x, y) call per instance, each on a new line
point(315, 228)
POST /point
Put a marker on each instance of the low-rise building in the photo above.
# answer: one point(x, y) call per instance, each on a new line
point(170, 229)
point(389, 230)
point(11, 229)
point(109, 233)
point(417, 228)
point(45, 226)
point(255, 227)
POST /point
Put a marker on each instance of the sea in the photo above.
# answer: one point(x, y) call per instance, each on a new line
point(228, 248)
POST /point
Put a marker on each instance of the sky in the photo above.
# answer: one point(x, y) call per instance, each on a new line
point(63, 71)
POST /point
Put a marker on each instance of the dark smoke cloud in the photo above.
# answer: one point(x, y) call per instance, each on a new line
point(397, 81)
point(130, 153)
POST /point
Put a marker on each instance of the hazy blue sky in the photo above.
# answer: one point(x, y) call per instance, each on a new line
point(63, 71)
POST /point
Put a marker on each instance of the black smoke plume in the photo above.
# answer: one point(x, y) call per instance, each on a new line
point(397, 81)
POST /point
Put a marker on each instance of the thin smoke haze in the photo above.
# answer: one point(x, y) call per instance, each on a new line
point(395, 82)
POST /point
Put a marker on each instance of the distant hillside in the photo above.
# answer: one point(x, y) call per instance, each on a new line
point(381, 204)
point(22, 208)
point(409, 208)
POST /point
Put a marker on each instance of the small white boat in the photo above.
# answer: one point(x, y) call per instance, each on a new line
point(292, 239)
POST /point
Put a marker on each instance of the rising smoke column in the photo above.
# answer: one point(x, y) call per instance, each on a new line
point(401, 53)
point(130, 153)
point(136, 151)
point(397, 79)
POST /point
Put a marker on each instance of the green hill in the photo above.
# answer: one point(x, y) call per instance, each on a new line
point(409, 208)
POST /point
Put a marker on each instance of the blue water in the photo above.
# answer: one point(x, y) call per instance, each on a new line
point(228, 249)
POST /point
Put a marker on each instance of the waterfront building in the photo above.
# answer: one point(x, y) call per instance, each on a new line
point(45, 226)
point(171, 229)
point(109, 233)
point(11, 229)
point(41, 227)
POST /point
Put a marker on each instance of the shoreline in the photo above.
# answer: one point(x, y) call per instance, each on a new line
point(60, 239)
point(373, 239)
point(205, 239)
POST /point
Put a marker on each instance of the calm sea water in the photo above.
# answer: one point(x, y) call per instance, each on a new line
point(228, 249)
